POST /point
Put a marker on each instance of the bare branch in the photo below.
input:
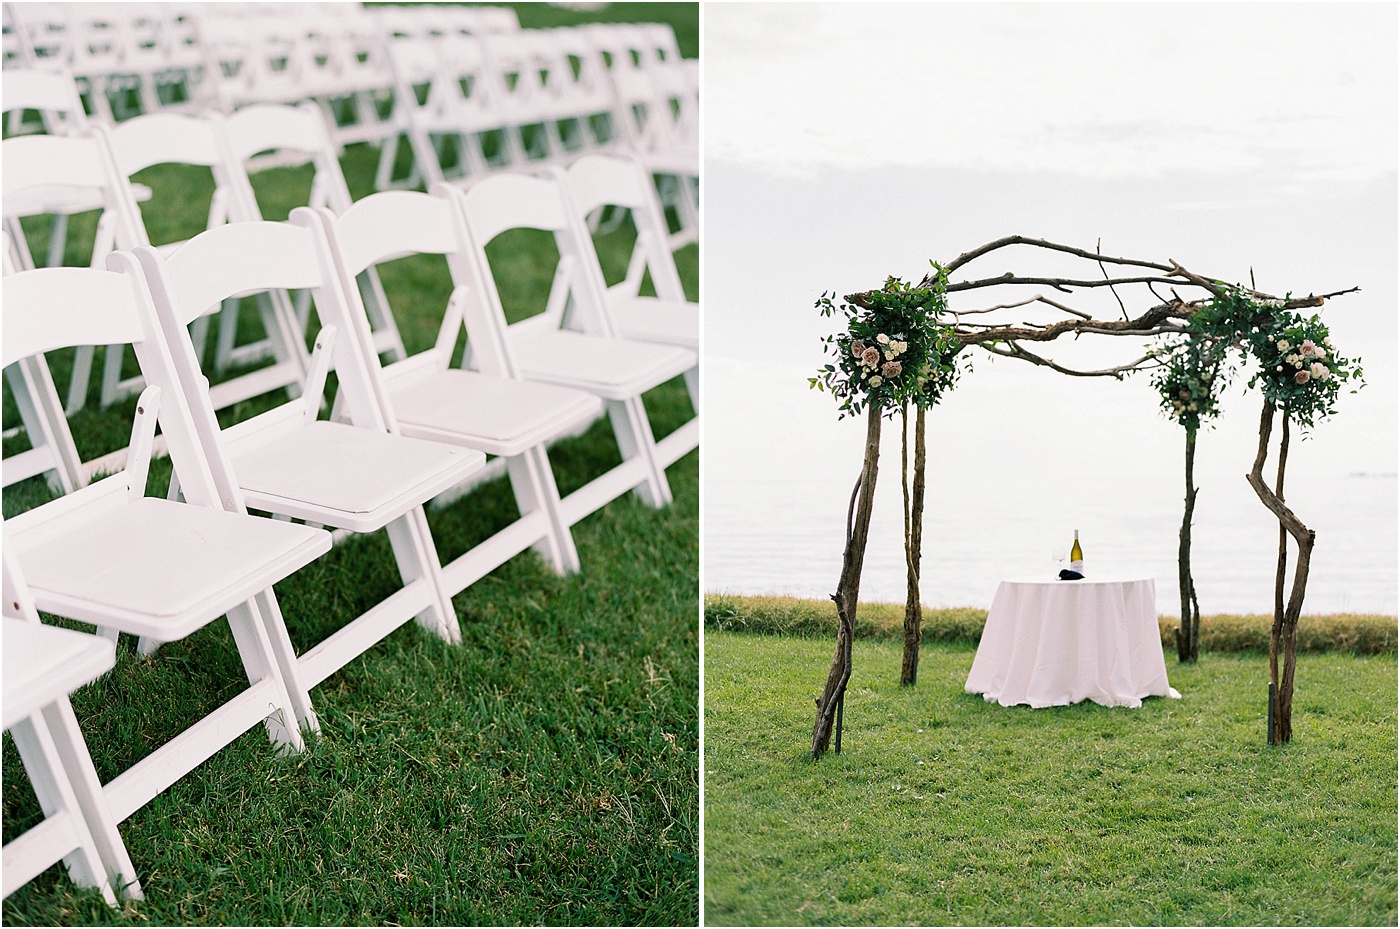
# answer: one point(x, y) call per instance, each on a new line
point(1098, 247)
point(1014, 350)
point(1038, 298)
point(978, 252)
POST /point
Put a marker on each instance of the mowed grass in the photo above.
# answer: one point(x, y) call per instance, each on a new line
point(946, 810)
point(545, 771)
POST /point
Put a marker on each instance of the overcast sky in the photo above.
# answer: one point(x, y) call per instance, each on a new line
point(1104, 89)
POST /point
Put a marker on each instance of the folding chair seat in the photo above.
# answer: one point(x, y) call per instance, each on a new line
point(490, 408)
point(43, 665)
point(294, 135)
point(286, 462)
point(586, 355)
point(110, 556)
point(593, 183)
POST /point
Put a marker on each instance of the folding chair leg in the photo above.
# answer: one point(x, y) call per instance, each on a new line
point(417, 559)
point(286, 658)
point(692, 387)
point(58, 240)
point(533, 483)
point(36, 398)
point(82, 375)
point(92, 802)
point(259, 663)
point(55, 793)
point(634, 440)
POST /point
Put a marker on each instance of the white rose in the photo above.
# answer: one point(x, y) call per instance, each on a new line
point(1283, 345)
point(1319, 353)
point(876, 381)
point(1319, 370)
point(882, 339)
point(1328, 342)
point(1279, 368)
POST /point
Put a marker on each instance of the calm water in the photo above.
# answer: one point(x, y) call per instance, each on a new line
point(1017, 461)
point(796, 547)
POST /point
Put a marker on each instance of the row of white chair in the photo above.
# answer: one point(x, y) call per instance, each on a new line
point(226, 146)
point(344, 56)
point(161, 569)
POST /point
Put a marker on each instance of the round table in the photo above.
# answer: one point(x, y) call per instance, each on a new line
point(1049, 642)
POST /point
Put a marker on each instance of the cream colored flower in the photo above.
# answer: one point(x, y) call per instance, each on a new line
point(1283, 345)
point(882, 339)
point(1328, 342)
point(876, 381)
point(1319, 353)
point(1319, 370)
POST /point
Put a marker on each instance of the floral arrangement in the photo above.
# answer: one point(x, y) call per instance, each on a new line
point(893, 353)
point(1300, 370)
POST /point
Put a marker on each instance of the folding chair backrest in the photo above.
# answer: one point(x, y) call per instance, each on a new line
point(595, 181)
point(242, 258)
point(392, 224)
point(53, 308)
point(518, 201)
point(292, 134)
point(51, 93)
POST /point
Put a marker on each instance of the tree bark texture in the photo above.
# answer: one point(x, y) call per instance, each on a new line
point(1283, 637)
point(913, 555)
point(1188, 635)
point(847, 594)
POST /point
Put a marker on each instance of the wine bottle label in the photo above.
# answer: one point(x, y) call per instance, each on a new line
point(1077, 565)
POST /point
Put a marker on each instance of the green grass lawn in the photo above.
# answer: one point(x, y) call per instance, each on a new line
point(947, 810)
point(545, 771)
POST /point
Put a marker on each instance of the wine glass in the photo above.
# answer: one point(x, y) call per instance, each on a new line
point(1058, 556)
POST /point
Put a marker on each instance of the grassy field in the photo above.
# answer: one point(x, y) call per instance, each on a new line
point(543, 772)
point(946, 810)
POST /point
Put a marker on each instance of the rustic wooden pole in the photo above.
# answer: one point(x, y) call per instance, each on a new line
point(847, 594)
point(1283, 636)
point(913, 554)
point(1187, 636)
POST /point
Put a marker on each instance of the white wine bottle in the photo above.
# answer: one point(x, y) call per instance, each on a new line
point(1076, 555)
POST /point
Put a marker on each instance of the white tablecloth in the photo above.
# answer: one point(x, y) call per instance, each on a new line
point(1053, 643)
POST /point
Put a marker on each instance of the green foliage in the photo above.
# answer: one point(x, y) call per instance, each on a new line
point(1299, 369)
point(894, 352)
point(1190, 381)
point(946, 810)
point(1355, 633)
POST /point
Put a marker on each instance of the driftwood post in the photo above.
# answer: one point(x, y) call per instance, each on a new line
point(1284, 633)
point(1188, 634)
point(847, 594)
point(913, 549)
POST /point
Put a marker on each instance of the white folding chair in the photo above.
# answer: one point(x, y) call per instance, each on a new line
point(457, 125)
point(595, 182)
point(176, 139)
point(490, 408)
point(40, 169)
point(572, 342)
point(111, 556)
point(43, 665)
point(297, 135)
point(287, 462)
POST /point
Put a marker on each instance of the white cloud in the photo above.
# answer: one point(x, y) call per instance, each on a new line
point(1298, 91)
